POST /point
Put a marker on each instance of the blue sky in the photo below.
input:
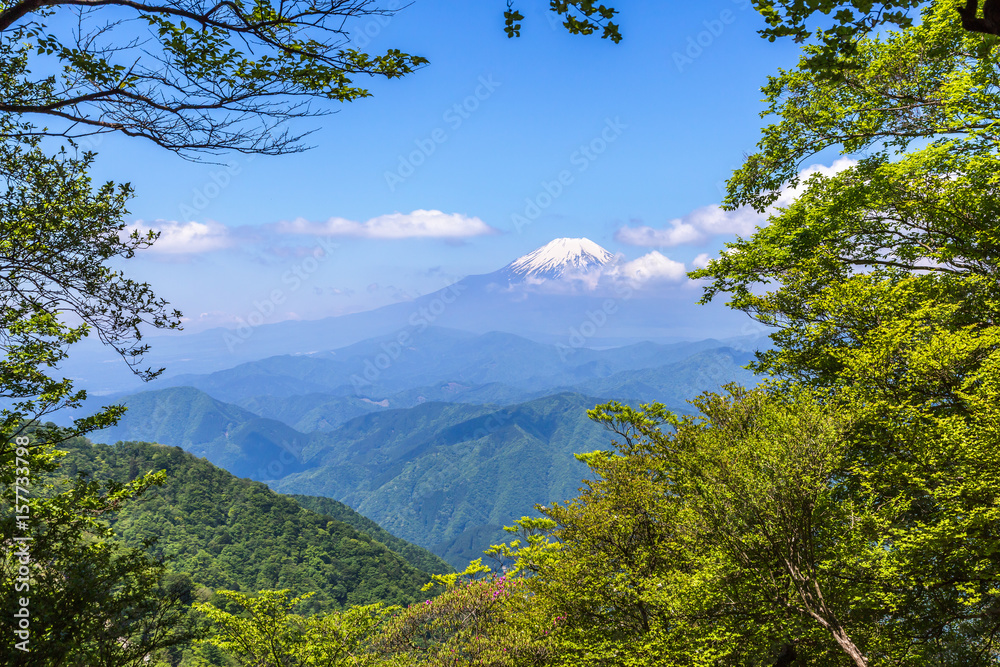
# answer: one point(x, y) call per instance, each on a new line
point(643, 134)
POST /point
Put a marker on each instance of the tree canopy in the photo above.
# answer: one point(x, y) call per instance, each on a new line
point(880, 281)
point(582, 17)
point(844, 22)
point(203, 77)
point(847, 511)
point(192, 77)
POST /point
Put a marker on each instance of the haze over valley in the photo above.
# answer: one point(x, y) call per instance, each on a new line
point(444, 425)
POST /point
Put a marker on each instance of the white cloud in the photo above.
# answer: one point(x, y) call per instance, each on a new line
point(178, 238)
point(701, 261)
point(650, 273)
point(678, 233)
point(703, 223)
point(653, 268)
point(418, 224)
point(789, 195)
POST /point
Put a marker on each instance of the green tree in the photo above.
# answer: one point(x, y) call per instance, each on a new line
point(203, 77)
point(932, 82)
point(59, 235)
point(478, 618)
point(474, 621)
point(845, 22)
point(750, 535)
point(881, 283)
point(717, 540)
point(87, 599)
point(91, 602)
point(582, 17)
point(192, 77)
point(265, 633)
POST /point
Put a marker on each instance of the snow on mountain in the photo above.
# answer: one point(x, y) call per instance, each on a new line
point(557, 259)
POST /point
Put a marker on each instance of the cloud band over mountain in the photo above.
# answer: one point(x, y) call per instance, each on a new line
point(700, 225)
point(418, 224)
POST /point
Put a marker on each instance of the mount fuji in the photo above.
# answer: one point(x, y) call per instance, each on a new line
point(557, 259)
point(549, 295)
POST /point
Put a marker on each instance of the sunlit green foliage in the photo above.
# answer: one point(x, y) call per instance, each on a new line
point(261, 630)
point(91, 600)
point(231, 533)
point(882, 281)
point(58, 238)
point(934, 81)
point(701, 541)
point(475, 620)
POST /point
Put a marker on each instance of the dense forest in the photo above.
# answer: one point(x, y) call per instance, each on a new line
point(236, 534)
point(844, 512)
point(213, 531)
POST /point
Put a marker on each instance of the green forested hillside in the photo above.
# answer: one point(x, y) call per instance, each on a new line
point(237, 534)
point(414, 555)
point(449, 477)
point(446, 476)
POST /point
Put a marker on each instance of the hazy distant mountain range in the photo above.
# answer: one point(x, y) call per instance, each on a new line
point(569, 293)
point(458, 436)
point(440, 434)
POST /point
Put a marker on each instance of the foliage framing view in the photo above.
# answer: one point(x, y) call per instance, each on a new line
point(846, 513)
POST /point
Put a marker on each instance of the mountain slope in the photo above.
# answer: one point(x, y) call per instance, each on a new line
point(311, 412)
point(557, 259)
point(382, 367)
point(446, 476)
point(230, 437)
point(676, 383)
point(502, 300)
point(325, 412)
point(450, 477)
point(237, 534)
point(416, 556)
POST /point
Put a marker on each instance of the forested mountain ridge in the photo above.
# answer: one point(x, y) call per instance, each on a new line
point(446, 476)
point(671, 383)
point(230, 437)
point(238, 534)
point(416, 556)
point(449, 477)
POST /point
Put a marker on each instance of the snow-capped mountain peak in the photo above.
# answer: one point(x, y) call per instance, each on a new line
point(558, 258)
